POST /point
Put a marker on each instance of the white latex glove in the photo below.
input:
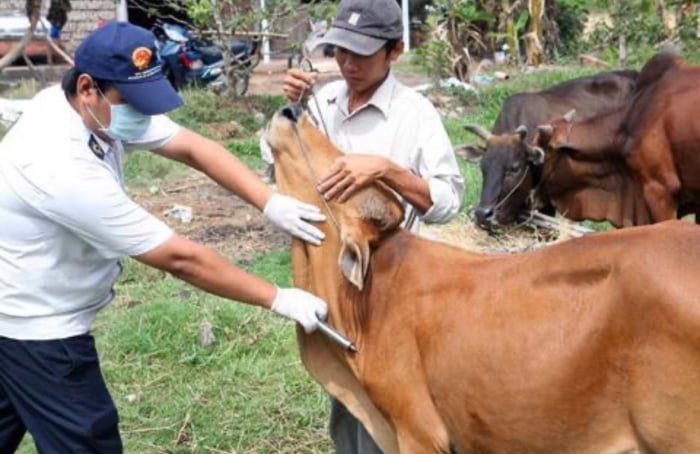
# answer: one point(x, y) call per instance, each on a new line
point(291, 215)
point(300, 306)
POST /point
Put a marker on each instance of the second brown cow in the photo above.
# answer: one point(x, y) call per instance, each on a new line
point(636, 164)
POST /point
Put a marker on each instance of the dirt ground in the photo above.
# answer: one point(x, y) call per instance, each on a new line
point(240, 232)
point(219, 219)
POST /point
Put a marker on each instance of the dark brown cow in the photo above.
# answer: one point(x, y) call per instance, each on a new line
point(509, 165)
point(636, 164)
point(590, 346)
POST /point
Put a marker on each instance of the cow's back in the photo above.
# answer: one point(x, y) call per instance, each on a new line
point(521, 353)
point(588, 95)
point(655, 68)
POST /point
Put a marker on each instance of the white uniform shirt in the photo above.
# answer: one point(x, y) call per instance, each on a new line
point(65, 219)
point(400, 124)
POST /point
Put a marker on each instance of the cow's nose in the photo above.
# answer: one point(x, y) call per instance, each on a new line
point(484, 213)
point(291, 112)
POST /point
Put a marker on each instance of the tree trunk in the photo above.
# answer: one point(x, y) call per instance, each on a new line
point(33, 13)
point(534, 49)
point(622, 52)
point(660, 10)
point(551, 35)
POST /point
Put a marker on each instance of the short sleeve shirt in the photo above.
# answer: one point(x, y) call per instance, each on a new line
point(65, 219)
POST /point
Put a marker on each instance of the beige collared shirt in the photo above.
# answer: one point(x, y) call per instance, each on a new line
point(400, 124)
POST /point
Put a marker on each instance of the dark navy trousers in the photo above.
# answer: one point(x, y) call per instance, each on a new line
point(55, 390)
point(348, 434)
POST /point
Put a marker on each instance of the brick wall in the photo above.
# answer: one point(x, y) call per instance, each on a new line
point(9, 6)
point(81, 20)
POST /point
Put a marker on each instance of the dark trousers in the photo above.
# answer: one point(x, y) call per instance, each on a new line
point(348, 434)
point(55, 390)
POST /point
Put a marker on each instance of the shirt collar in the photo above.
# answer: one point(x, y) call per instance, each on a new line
point(381, 98)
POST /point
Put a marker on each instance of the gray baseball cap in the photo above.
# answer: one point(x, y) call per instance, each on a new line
point(363, 26)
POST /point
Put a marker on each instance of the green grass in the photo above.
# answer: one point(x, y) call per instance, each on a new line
point(246, 393)
point(143, 168)
point(201, 109)
point(25, 89)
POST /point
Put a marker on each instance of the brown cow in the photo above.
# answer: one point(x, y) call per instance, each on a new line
point(650, 150)
point(589, 346)
point(510, 166)
point(592, 182)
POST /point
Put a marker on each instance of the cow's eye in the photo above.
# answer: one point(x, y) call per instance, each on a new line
point(514, 167)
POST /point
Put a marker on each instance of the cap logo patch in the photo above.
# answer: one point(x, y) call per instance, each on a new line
point(354, 17)
point(141, 57)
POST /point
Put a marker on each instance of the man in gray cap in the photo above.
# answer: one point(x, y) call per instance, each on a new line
point(389, 133)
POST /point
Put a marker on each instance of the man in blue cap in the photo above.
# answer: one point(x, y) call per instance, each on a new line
point(66, 221)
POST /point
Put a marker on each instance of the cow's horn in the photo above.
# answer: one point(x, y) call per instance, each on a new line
point(521, 131)
point(546, 130)
point(569, 117)
point(536, 155)
point(469, 152)
point(479, 131)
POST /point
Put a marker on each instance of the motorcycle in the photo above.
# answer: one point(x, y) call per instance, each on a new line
point(192, 61)
point(245, 56)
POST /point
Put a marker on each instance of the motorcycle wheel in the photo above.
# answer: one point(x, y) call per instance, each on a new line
point(168, 74)
point(238, 81)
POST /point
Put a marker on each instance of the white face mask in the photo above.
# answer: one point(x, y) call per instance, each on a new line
point(126, 124)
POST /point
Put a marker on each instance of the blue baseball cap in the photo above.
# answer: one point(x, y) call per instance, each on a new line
point(126, 55)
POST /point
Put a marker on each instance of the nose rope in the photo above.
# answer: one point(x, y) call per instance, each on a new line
point(552, 169)
point(307, 66)
point(543, 178)
point(512, 191)
point(314, 178)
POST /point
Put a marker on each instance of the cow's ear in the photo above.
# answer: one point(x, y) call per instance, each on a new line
point(472, 153)
point(378, 212)
point(354, 258)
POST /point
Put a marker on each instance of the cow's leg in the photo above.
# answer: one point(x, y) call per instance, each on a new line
point(410, 444)
point(651, 159)
point(419, 427)
point(660, 202)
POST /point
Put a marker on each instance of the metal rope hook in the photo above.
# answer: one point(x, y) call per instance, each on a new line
point(308, 67)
